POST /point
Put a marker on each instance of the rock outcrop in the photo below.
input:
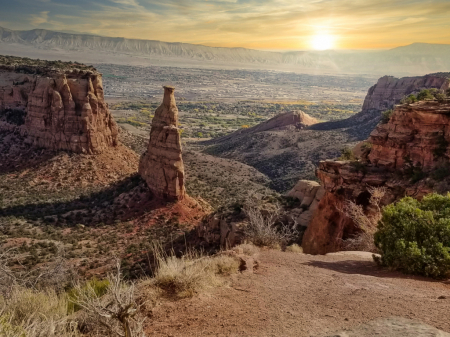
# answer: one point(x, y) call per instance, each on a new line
point(390, 90)
point(58, 109)
point(309, 193)
point(382, 96)
point(161, 165)
point(293, 119)
point(414, 141)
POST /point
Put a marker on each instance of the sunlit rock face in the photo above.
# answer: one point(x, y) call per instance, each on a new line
point(390, 90)
point(55, 109)
point(417, 135)
point(161, 165)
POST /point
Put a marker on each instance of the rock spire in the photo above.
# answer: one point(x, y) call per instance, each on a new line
point(161, 165)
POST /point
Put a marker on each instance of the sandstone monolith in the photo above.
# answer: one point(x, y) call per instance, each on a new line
point(161, 166)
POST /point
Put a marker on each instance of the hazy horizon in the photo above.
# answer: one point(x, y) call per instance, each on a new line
point(269, 25)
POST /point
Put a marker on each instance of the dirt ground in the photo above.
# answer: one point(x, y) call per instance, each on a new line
point(303, 295)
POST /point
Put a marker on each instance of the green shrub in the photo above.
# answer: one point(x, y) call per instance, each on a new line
point(409, 99)
point(386, 115)
point(424, 95)
point(414, 236)
point(440, 97)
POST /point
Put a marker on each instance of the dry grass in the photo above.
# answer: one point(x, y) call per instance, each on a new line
point(294, 248)
point(33, 313)
point(367, 222)
point(191, 274)
point(114, 313)
point(247, 249)
point(264, 229)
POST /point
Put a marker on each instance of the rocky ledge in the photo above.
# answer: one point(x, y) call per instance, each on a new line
point(401, 155)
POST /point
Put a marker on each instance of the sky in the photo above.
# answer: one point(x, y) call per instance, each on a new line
point(256, 24)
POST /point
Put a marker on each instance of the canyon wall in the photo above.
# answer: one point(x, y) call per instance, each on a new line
point(416, 139)
point(390, 90)
point(161, 165)
point(56, 109)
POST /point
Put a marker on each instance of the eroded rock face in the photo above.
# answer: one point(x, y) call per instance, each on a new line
point(418, 131)
point(161, 165)
point(55, 109)
point(414, 132)
point(390, 90)
point(309, 193)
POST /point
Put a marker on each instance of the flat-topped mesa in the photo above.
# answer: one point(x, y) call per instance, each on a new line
point(56, 108)
point(161, 166)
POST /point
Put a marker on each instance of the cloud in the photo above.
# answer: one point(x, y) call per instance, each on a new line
point(38, 19)
point(264, 24)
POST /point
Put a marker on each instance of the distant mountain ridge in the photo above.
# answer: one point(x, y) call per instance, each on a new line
point(417, 58)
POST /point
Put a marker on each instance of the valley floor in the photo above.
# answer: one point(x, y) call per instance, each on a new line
point(303, 295)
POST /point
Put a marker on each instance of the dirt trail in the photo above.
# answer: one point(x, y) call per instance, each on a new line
point(303, 295)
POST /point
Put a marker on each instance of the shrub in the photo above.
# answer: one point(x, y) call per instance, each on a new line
point(347, 154)
point(409, 99)
point(365, 222)
point(114, 313)
point(264, 229)
point(386, 115)
point(99, 288)
point(414, 236)
point(440, 97)
point(424, 95)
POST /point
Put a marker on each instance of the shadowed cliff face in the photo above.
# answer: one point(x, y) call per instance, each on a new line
point(415, 141)
point(161, 165)
point(61, 110)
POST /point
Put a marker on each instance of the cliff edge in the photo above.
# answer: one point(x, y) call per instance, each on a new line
point(409, 155)
point(56, 105)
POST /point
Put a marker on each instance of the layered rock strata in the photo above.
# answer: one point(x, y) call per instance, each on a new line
point(390, 90)
point(417, 136)
point(161, 165)
point(57, 109)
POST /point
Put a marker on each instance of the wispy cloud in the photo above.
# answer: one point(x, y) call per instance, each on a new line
point(265, 24)
point(39, 19)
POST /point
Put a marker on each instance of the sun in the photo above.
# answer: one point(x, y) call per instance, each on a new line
point(322, 42)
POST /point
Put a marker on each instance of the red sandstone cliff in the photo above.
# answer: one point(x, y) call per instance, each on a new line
point(61, 109)
point(390, 90)
point(161, 165)
point(417, 135)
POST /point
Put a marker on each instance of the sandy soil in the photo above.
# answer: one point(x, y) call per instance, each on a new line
point(302, 295)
